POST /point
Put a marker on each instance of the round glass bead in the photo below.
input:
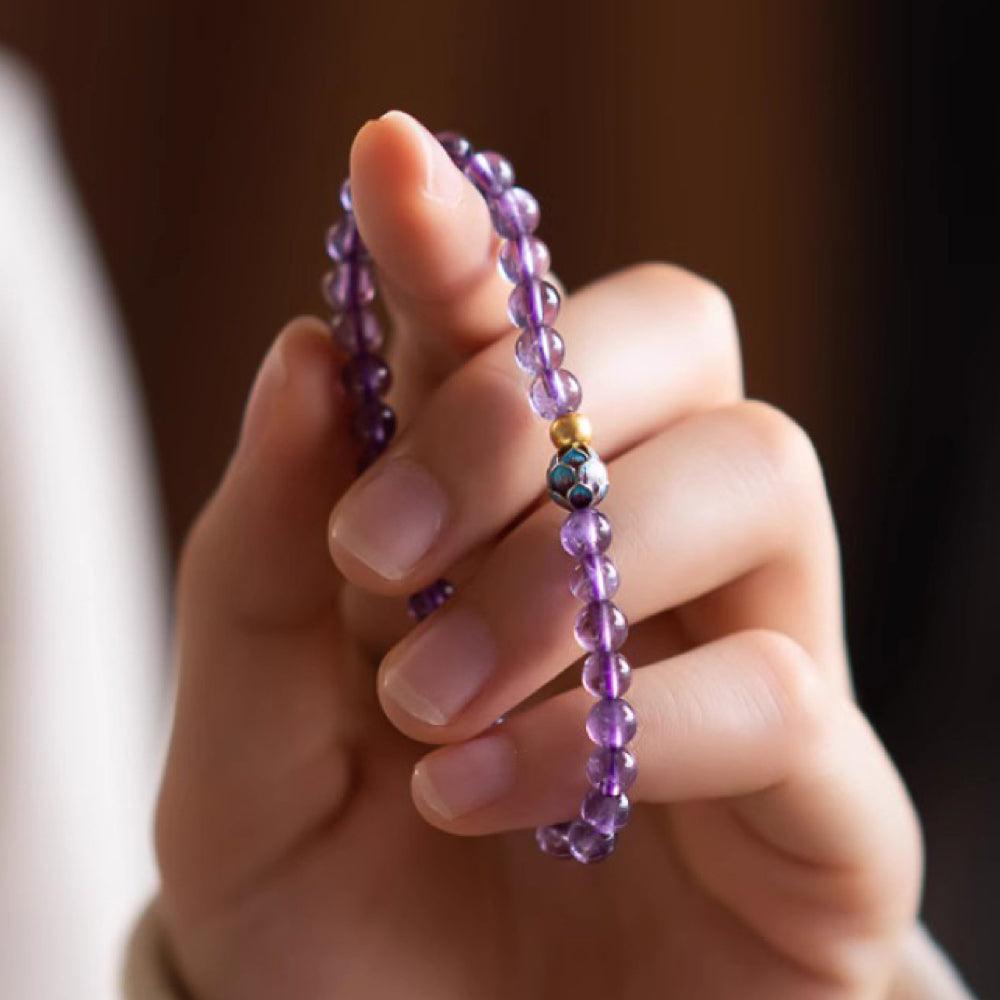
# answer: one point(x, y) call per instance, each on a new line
point(553, 839)
point(533, 303)
point(425, 602)
point(585, 532)
point(606, 674)
point(594, 579)
point(456, 146)
point(554, 393)
point(375, 423)
point(525, 257)
point(515, 213)
point(601, 625)
point(538, 350)
point(606, 813)
point(349, 283)
point(366, 376)
point(611, 770)
point(611, 722)
point(357, 330)
point(491, 173)
point(342, 239)
point(346, 201)
point(587, 844)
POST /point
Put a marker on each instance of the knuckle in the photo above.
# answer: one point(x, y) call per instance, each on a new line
point(783, 449)
point(792, 680)
point(705, 309)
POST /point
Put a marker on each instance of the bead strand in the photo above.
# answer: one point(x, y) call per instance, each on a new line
point(578, 481)
point(349, 290)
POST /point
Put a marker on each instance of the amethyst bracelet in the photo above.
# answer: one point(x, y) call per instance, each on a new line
point(576, 479)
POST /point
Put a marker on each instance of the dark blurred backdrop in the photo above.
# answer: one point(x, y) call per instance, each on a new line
point(832, 164)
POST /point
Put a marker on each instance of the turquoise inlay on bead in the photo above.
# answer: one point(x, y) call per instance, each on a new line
point(574, 456)
point(561, 478)
point(580, 497)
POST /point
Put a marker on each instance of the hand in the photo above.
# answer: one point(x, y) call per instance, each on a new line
point(772, 853)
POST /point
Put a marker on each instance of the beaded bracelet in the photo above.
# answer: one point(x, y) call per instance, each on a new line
point(576, 479)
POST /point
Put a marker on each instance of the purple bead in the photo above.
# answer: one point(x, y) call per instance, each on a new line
point(594, 579)
point(456, 146)
point(346, 201)
point(357, 331)
point(523, 258)
point(342, 239)
point(425, 602)
point(349, 283)
point(375, 424)
point(587, 844)
point(490, 172)
point(533, 303)
point(515, 213)
point(555, 393)
point(606, 674)
point(611, 771)
point(601, 625)
point(366, 376)
point(553, 839)
point(607, 813)
point(538, 350)
point(611, 722)
point(585, 532)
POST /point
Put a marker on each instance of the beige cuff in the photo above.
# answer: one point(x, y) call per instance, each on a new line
point(148, 973)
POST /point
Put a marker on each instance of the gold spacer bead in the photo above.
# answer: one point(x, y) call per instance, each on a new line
point(573, 428)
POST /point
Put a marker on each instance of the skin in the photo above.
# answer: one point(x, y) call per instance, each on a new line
point(317, 839)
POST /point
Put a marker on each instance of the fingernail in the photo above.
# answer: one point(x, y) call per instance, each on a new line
point(435, 674)
point(466, 777)
point(271, 377)
point(393, 519)
point(443, 180)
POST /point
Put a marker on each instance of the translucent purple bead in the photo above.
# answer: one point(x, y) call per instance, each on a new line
point(607, 813)
point(606, 674)
point(358, 330)
point(456, 146)
point(515, 213)
point(601, 626)
point(375, 423)
point(366, 376)
point(342, 239)
point(594, 579)
point(554, 394)
point(491, 173)
point(533, 303)
point(350, 283)
point(346, 201)
point(611, 722)
point(585, 532)
point(538, 350)
point(587, 844)
point(554, 839)
point(611, 770)
point(523, 258)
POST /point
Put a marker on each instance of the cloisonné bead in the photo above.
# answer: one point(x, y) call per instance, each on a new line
point(577, 478)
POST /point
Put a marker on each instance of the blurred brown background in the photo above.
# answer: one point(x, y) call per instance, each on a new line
point(832, 164)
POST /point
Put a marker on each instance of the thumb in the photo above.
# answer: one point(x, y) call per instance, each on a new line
point(429, 232)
